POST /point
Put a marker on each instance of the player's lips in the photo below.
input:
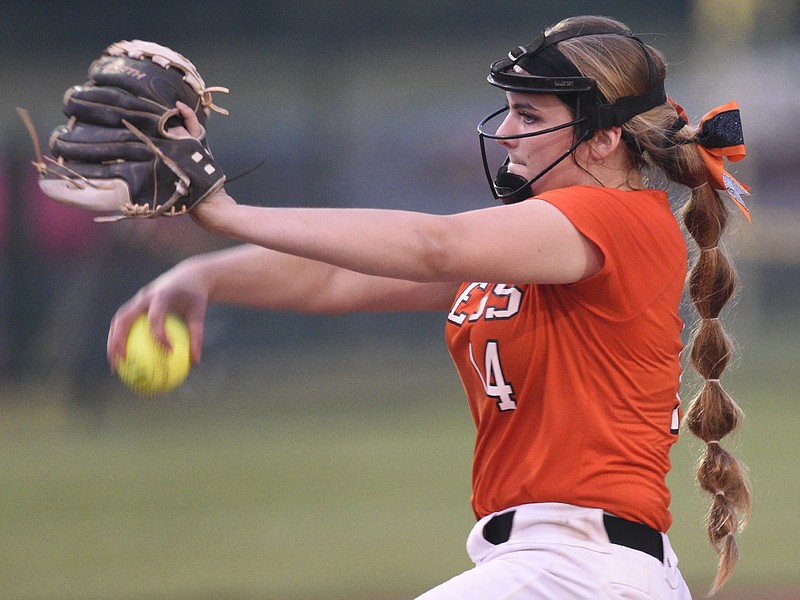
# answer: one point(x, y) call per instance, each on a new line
point(515, 168)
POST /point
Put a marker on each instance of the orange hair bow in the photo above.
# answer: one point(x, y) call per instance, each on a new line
point(718, 137)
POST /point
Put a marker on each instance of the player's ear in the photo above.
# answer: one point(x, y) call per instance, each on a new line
point(605, 142)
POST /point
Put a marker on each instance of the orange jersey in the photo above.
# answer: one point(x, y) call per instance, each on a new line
point(574, 388)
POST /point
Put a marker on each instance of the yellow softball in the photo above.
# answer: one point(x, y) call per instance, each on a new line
point(148, 367)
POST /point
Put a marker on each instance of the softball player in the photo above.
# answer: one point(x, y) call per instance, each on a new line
point(562, 312)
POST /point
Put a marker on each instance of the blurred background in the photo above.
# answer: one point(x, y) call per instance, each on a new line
point(329, 457)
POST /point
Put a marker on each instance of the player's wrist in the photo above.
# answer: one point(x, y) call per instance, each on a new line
point(215, 212)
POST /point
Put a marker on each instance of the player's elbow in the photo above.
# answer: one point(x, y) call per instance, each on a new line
point(437, 250)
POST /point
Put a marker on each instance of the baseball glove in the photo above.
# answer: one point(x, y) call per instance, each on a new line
point(119, 153)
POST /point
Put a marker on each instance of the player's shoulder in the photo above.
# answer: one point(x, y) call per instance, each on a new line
point(613, 209)
point(606, 197)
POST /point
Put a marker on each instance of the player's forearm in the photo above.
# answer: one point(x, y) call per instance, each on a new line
point(253, 276)
point(386, 243)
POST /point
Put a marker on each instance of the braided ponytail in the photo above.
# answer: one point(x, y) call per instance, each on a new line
point(711, 283)
point(712, 413)
point(660, 139)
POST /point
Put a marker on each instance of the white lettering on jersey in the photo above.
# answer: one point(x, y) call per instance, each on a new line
point(514, 295)
point(509, 300)
point(459, 317)
point(494, 383)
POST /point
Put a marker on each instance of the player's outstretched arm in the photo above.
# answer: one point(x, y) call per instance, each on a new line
point(529, 242)
point(255, 277)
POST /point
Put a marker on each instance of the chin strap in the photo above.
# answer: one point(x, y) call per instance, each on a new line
point(511, 188)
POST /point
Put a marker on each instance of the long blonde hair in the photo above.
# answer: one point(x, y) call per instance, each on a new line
point(657, 139)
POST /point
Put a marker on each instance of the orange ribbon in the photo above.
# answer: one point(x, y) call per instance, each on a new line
point(718, 137)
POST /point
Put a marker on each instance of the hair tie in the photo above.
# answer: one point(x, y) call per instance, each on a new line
point(679, 123)
point(673, 129)
point(709, 442)
point(712, 381)
point(709, 249)
point(720, 493)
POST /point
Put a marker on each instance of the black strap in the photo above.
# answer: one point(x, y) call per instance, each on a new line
point(637, 536)
point(543, 41)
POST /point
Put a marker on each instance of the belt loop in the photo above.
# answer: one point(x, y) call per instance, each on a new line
point(498, 529)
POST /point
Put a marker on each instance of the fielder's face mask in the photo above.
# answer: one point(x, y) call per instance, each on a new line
point(548, 71)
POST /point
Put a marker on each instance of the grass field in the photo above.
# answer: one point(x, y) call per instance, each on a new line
point(345, 476)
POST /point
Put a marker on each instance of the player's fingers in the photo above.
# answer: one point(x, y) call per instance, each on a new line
point(157, 315)
point(192, 124)
point(194, 315)
point(112, 349)
point(191, 314)
point(118, 334)
point(196, 331)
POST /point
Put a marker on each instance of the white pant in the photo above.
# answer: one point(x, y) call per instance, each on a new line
point(561, 552)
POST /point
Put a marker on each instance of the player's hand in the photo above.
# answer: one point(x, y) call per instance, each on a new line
point(193, 128)
point(179, 290)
